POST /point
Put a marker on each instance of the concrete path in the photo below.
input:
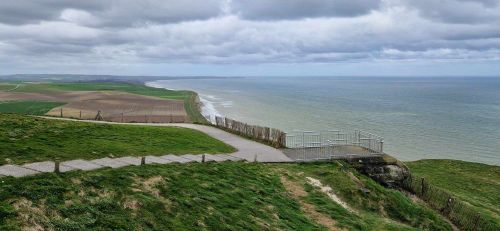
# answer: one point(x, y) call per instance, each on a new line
point(248, 150)
point(87, 165)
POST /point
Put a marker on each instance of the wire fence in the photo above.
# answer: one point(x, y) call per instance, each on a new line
point(123, 116)
point(459, 212)
point(331, 144)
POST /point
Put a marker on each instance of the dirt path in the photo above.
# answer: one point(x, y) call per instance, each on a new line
point(329, 192)
point(297, 192)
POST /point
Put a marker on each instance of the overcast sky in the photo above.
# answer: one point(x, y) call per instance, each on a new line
point(251, 37)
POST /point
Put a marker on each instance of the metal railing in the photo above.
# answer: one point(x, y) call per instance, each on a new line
point(331, 144)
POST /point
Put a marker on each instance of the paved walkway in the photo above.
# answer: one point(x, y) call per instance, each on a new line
point(248, 150)
point(87, 165)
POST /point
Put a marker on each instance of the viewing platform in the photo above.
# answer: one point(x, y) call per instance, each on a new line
point(332, 144)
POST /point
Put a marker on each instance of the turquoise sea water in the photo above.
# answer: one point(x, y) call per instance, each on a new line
point(419, 118)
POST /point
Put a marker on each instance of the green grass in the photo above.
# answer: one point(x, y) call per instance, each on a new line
point(191, 106)
point(188, 97)
point(124, 87)
point(29, 139)
point(397, 210)
point(228, 196)
point(6, 86)
point(27, 107)
point(477, 184)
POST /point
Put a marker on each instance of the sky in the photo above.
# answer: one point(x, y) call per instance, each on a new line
point(251, 37)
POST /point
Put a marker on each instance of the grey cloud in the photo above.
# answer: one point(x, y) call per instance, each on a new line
point(459, 11)
point(110, 12)
point(19, 12)
point(131, 12)
point(124, 13)
point(296, 9)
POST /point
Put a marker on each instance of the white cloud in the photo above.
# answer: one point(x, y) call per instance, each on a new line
point(79, 17)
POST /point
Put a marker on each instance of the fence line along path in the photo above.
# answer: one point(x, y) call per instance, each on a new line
point(247, 149)
point(272, 136)
point(306, 146)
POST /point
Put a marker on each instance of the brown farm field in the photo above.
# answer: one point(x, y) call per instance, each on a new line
point(113, 105)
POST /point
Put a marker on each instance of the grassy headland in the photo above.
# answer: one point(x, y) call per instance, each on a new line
point(29, 139)
point(226, 196)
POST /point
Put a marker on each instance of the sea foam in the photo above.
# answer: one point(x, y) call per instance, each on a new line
point(208, 109)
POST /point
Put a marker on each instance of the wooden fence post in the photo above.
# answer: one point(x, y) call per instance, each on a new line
point(476, 221)
point(447, 209)
point(61, 112)
point(422, 186)
point(57, 166)
point(203, 158)
point(98, 117)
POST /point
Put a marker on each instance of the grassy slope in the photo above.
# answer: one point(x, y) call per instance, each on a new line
point(188, 96)
point(27, 107)
point(125, 87)
point(6, 86)
point(28, 139)
point(191, 104)
point(398, 211)
point(478, 184)
point(228, 196)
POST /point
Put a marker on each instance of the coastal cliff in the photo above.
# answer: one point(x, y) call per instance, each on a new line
point(385, 169)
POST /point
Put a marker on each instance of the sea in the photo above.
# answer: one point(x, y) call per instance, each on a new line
point(419, 118)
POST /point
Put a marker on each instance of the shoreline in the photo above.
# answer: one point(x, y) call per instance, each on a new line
point(206, 107)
